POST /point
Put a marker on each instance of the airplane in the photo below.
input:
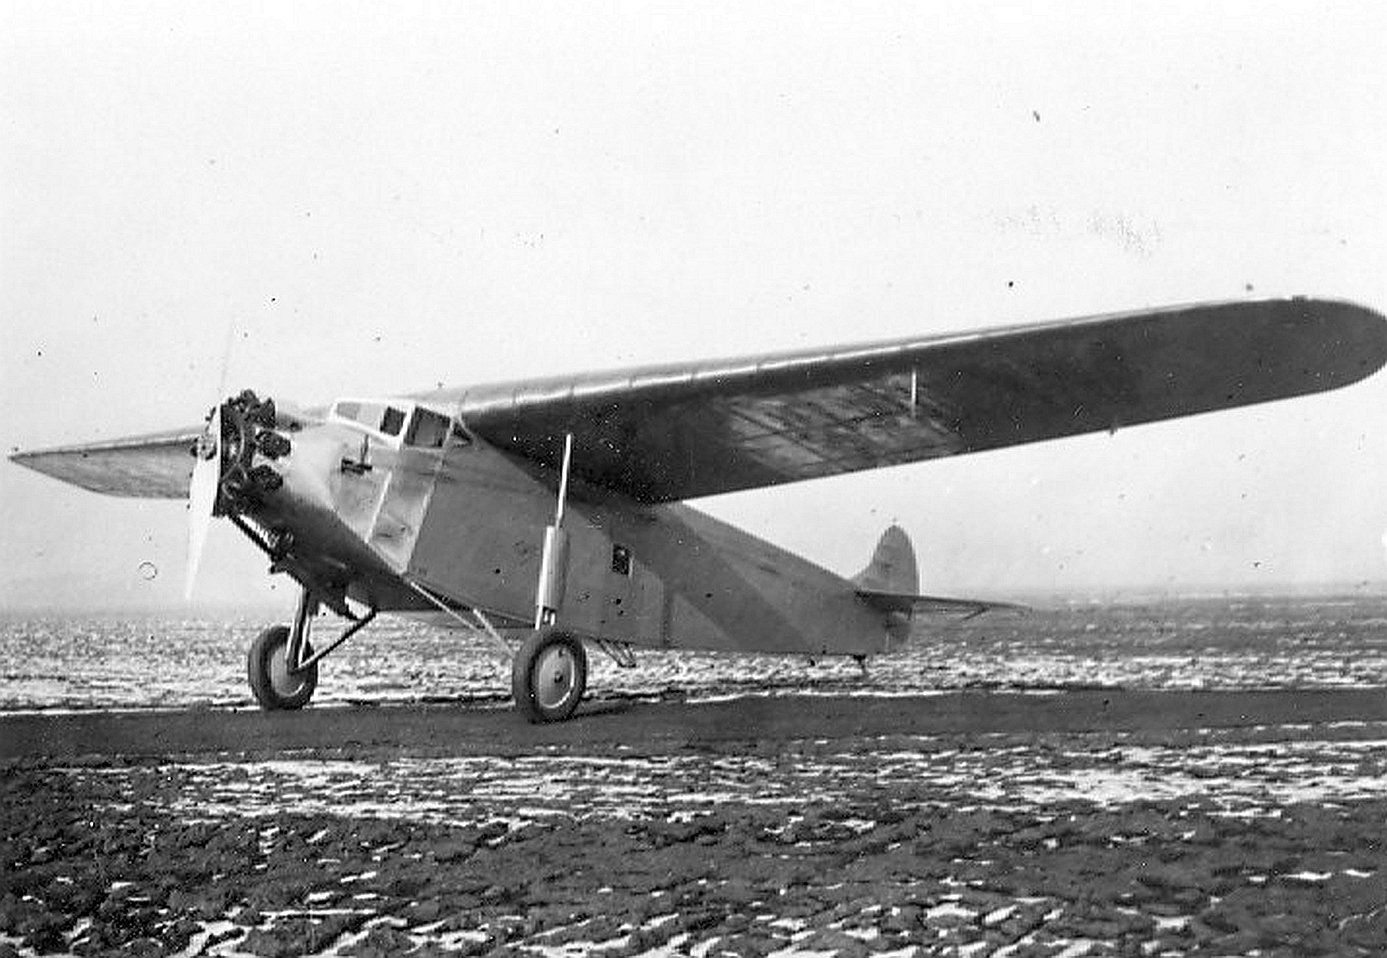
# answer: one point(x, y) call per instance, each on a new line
point(553, 509)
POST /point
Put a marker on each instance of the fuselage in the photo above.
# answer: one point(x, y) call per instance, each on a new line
point(382, 499)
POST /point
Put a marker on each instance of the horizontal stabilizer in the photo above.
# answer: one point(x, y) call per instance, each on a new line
point(931, 604)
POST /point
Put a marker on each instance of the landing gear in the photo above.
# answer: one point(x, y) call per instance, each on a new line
point(267, 667)
point(549, 675)
point(282, 666)
point(550, 672)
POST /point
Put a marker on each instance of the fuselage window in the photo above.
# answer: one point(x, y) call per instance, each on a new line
point(368, 413)
point(427, 429)
point(392, 421)
point(621, 560)
point(377, 416)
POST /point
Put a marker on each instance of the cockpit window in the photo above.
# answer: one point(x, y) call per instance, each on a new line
point(373, 415)
point(428, 429)
point(392, 421)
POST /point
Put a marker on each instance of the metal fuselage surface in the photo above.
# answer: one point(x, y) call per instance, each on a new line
point(466, 521)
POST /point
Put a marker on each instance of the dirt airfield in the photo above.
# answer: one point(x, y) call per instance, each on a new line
point(968, 823)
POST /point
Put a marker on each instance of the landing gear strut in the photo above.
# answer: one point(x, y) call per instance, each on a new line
point(550, 672)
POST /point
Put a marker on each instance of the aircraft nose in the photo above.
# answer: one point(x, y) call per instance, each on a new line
point(241, 433)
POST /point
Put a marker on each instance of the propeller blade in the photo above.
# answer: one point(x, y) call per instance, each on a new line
point(202, 495)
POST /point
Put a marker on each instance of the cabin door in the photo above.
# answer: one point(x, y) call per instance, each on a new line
point(407, 474)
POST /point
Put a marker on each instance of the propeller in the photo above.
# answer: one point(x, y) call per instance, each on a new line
point(202, 495)
point(205, 485)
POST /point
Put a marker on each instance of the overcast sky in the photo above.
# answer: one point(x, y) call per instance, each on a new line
point(384, 198)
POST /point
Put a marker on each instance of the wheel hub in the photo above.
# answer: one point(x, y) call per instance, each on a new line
point(283, 681)
point(556, 677)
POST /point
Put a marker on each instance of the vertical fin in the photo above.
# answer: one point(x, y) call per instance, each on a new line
point(892, 568)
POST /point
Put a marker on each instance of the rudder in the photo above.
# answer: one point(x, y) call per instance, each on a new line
point(892, 569)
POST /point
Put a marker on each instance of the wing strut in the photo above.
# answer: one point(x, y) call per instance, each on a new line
point(481, 624)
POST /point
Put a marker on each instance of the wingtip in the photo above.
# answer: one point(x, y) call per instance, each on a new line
point(1346, 340)
point(1361, 334)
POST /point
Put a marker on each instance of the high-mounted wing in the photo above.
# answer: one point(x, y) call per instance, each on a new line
point(153, 466)
point(686, 430)
point(696, 429)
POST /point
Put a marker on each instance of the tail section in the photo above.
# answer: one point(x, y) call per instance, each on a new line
point(891, 583)
point(892, 569)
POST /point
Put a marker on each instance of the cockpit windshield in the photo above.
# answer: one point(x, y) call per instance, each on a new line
point(373, 415)
point(427, 428)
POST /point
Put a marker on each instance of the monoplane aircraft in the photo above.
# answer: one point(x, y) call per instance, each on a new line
point(554, 506)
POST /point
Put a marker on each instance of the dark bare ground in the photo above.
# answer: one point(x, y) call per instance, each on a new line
point(130, 833)
point(460, 730)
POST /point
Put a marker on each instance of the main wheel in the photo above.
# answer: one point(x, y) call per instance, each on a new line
point(267, 669)
point(549, 676)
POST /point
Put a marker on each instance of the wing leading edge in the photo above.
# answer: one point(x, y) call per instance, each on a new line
point(687, 430)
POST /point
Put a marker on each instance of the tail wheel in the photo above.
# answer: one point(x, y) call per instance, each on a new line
point(267, 669)
point(549, 676)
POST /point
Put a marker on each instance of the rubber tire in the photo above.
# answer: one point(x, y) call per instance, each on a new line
point(541, 645)
point(274, 641)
